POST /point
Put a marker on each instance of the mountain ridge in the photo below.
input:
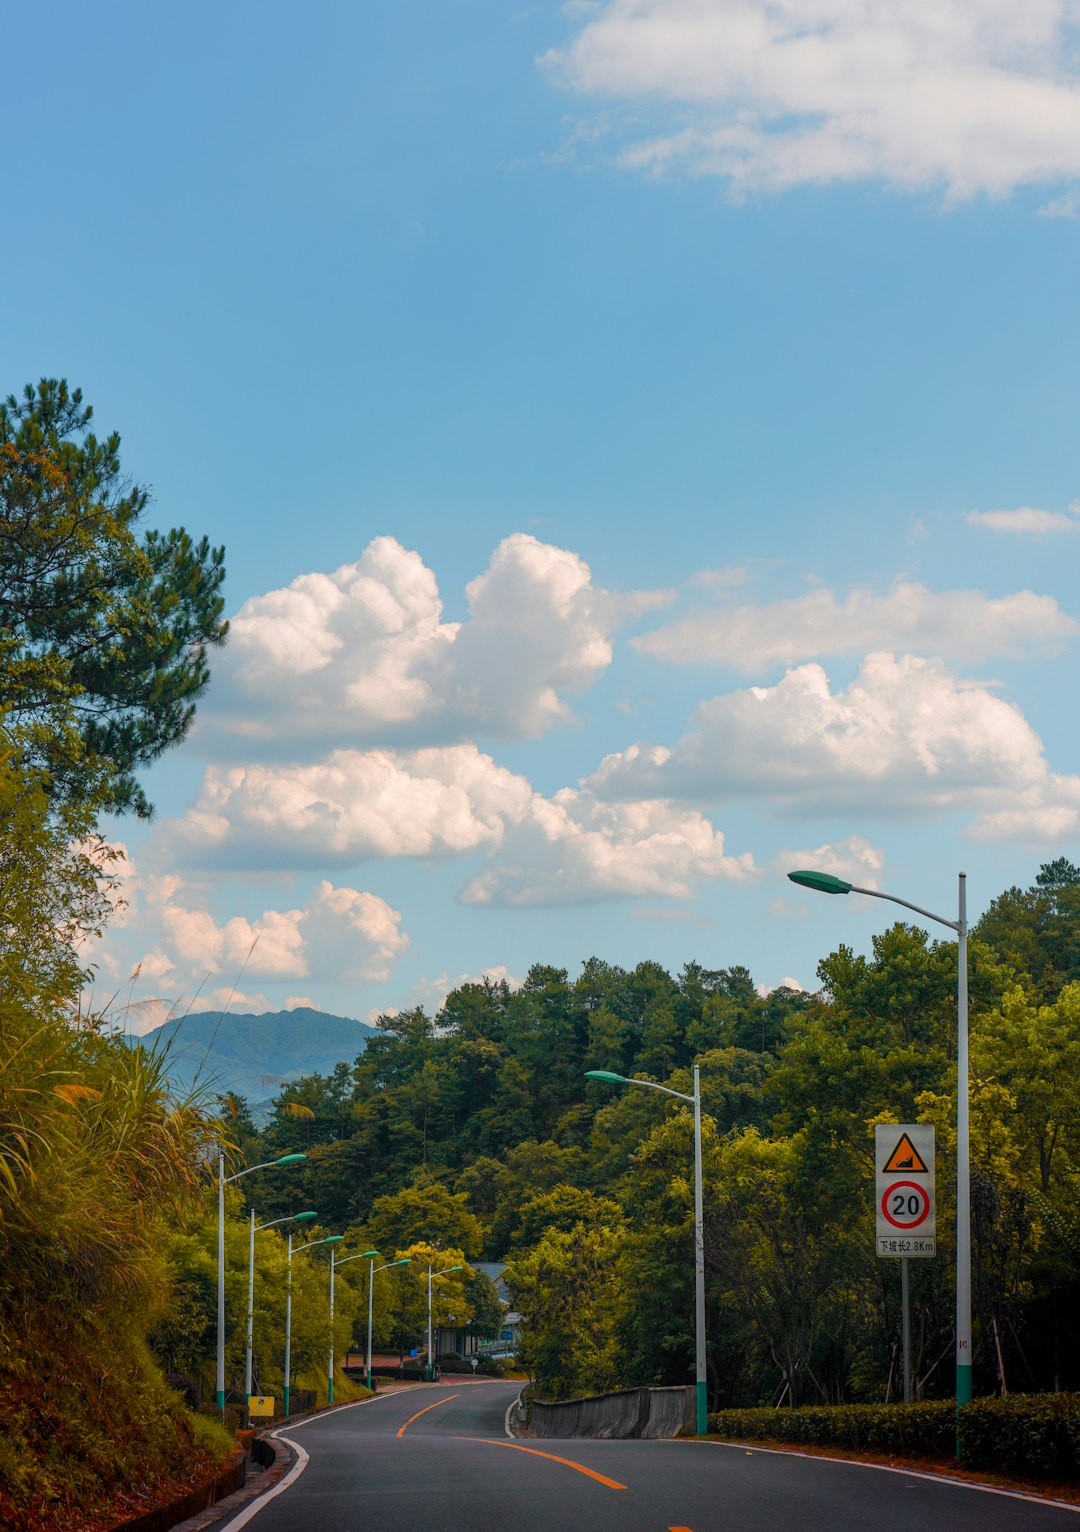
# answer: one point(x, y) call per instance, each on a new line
point(255, 1054)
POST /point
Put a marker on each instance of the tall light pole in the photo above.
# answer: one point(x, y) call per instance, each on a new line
point(825, 883)
point(257, 1229)
point(430, 1274)
point(362, 1255)
point(700, 1390)
point(331, 1239)
point(372, 1256)
point(223, 1181)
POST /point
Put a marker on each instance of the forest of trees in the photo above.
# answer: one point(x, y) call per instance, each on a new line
point(472, 1133)
point(475, 1128)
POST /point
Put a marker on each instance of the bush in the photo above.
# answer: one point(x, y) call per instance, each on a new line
point(913, 1430)
point(1034, 1436)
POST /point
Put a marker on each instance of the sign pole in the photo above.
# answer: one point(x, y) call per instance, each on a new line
point(905, 1299)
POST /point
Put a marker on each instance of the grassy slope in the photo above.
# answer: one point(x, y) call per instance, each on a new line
point(89, 1430)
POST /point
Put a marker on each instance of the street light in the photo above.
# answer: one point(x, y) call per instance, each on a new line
point(223, 1180)
point(331, 1239)
point(825, 883)
point(700, 1390)
point(257, 1229)
point(361, 1256)
point(373, 1272)
point(430, 1274)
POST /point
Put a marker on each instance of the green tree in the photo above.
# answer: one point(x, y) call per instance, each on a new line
point(426, 1212)
point(105, 633)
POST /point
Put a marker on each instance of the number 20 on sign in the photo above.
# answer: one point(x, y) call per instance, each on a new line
point(904, 1189)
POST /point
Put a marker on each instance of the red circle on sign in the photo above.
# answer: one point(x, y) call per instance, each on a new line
point(913, 1219)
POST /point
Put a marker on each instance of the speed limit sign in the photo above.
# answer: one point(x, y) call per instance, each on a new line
point(904, 1175)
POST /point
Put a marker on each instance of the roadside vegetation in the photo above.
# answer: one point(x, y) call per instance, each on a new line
point(467, 1135)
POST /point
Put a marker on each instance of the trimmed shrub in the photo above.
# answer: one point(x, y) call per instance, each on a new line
point(1034, 1436)
point(913, 1430)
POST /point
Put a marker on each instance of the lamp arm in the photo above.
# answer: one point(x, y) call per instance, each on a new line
point(875, 893)
point(249, 1171)
point(681, 1095)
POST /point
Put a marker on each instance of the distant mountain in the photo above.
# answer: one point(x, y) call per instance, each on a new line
point(255, 1056)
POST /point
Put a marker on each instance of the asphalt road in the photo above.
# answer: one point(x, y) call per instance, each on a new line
point(437, 1459)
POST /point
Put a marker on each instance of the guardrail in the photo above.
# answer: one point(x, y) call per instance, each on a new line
point(629, 1412)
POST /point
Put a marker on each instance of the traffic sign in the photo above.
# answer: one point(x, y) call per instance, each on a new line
point(904, 1189)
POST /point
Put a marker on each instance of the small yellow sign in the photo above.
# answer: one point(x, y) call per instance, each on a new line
point(261, 1404)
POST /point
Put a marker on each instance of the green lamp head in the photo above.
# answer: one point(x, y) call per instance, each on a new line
point(823, 882)
point(304, 1217)
point(606, 1075)
point(406, 1260)
point(332, 1239)
point(369, 1255)
point(290, 1159)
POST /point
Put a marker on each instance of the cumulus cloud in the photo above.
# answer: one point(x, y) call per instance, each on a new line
point(852, 858)
point(1027, 519)
point(574, 849)
point(974, 96)
point(179, 946)
point(906, 738)
point(356, 804)
point(432, 993)
point(364, 653)
point(437, 803)
point(339, 933)
point(956, 625)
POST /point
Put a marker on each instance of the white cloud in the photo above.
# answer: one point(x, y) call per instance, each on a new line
point(357, 804)
point(568, 848)
point(906, 738)
point(575, 849)
point(968, 95)
point(338, 935)
point(1026, 519)
point(364, 653)
point(432, 993)
point(1066, 206)
point(957, 625)
point(852, 858)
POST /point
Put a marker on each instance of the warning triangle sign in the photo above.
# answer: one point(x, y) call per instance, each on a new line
point(905, 1157)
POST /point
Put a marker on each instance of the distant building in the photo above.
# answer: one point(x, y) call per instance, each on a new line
point(459, 1340)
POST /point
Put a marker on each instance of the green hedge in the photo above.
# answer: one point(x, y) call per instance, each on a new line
point(1035, 1436)
point(1032, 1436)
point(920, 1430)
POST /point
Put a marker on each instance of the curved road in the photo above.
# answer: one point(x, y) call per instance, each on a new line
point(436, 1458)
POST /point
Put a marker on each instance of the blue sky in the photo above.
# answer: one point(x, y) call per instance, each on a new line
point(700, 336)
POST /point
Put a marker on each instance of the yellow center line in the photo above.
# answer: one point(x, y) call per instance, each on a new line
point(566, 1462)
point(444, 1400)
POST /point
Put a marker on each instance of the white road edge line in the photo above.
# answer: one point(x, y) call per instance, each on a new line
point(249, 1512)
point(293, 1474)
point(910, 1473)
point(506, 1418)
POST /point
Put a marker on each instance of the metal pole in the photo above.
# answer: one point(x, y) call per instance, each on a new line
point(370, 1291)
point(288, 1322)
point(250, 1312)
point(963, 1171)
point(330, 1373)
point(430, 1368)
point(905, 1303)
point(699, 1269)
point(220, 1394)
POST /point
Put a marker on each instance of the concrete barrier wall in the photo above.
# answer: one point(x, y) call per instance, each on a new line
point(631, 1412)
point(671, 1413)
